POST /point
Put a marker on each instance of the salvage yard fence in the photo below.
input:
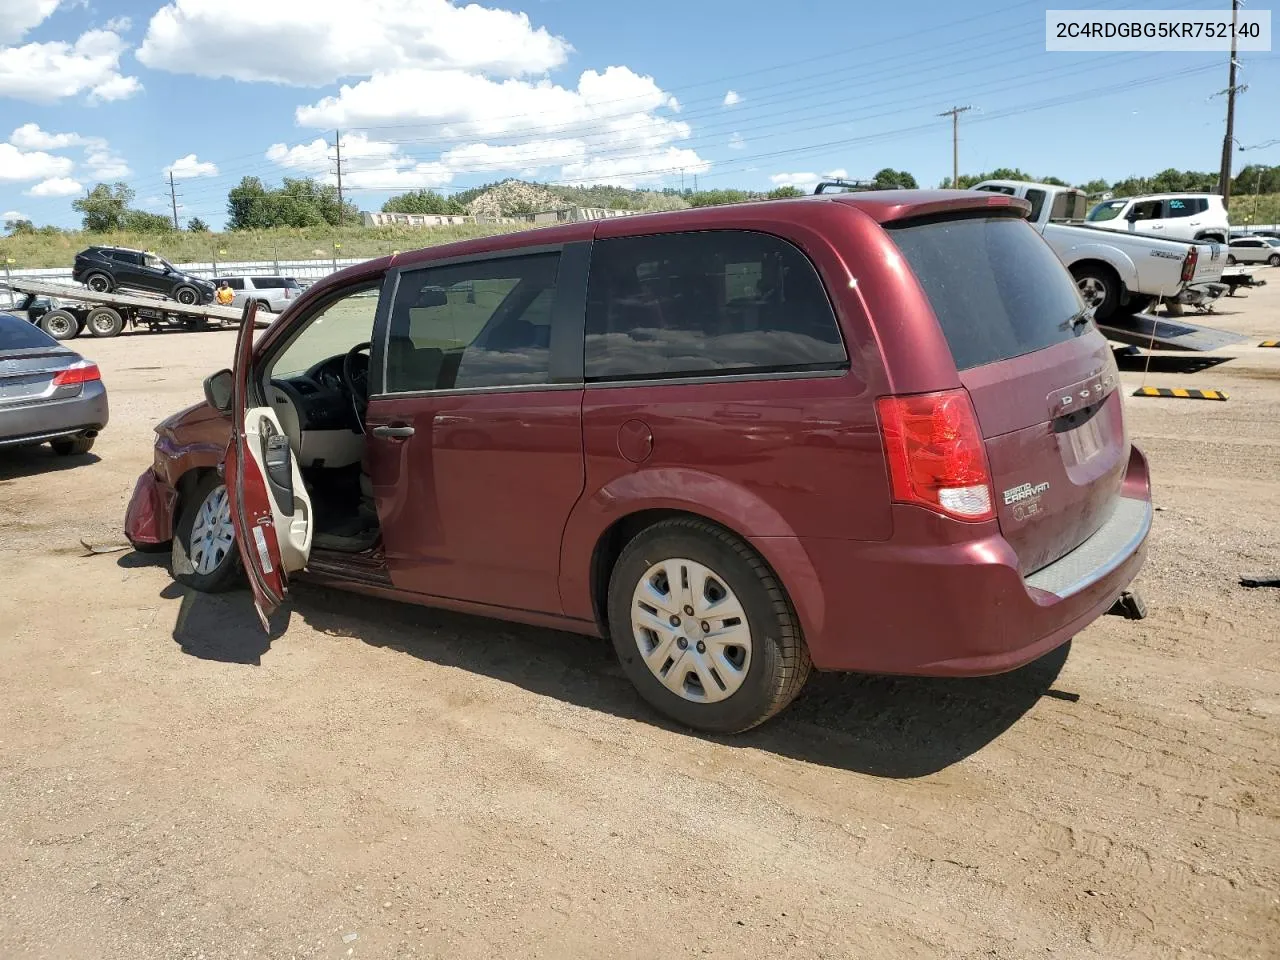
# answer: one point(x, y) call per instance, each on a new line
point(306, 272)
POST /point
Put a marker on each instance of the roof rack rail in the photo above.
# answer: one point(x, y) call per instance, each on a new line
point(847, 185)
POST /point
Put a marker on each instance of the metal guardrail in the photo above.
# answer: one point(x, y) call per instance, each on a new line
point(305, 272)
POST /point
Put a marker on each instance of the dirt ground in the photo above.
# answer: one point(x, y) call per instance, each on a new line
point(385, 781)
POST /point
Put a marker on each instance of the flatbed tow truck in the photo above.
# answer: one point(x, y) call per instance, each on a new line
point(68, 309)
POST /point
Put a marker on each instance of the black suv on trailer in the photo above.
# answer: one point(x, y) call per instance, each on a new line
point(103, 269)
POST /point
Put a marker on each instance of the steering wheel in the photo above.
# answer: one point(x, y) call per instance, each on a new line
point(359, 392)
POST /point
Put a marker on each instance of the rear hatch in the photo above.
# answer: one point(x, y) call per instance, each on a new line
point(29, 362)
point(1042, 378)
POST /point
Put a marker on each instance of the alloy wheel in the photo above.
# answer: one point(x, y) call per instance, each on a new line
point(691, 630)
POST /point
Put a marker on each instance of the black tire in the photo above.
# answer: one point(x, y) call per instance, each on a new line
point(187, 295)
point(1231, 261)
point(263, 305)
point(779, 662)
point(104, 322)
point(60, 324)
point(100, 282)
point(72, 446)
point(228, 573)
point(1274, 260)
point(1100, 287)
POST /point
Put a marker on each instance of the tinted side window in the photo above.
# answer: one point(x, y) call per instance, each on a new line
point(235, 283)
point(702, 304)
point(1181, 208)
point(481, 324)
point(269, 283)
point(125, 256)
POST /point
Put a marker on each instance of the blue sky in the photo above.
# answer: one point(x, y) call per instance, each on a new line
point(440, 95)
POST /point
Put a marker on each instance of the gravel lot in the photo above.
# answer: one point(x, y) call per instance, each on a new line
point(385, 781)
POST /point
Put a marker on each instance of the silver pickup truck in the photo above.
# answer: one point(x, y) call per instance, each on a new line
point(1116, 272)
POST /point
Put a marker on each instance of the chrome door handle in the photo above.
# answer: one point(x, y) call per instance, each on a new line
point(388, 431)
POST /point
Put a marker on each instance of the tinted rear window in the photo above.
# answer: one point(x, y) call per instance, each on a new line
point(997, 288)
point(18, 334)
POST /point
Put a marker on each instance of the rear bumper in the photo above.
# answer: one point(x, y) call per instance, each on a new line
point(963, 609)
point(148, 520)
point(52, 419)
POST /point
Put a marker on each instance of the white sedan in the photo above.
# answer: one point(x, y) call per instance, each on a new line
point(1254, 250)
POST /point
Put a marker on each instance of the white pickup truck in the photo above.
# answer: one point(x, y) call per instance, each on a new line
point(1117, 273)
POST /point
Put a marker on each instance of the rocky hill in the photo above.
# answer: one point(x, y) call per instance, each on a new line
point(513, 198)
point(516, 197)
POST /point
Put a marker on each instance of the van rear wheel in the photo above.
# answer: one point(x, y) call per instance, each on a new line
point(703, 628)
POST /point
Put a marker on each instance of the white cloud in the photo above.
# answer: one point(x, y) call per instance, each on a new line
point(637, 170)
point(47, 72)
point(190, 167)
point(610, 126)
point(18, 165)
point(103, 162)
point(115, 87)
point(315, 42)
point(11, 215)
point(454, 104)
point(29, 136)
point(118, 25)
point(56, 187)
point(19, 16)
point(731, 98)
point(805, 181)
point(736, 142)
point(367, 164)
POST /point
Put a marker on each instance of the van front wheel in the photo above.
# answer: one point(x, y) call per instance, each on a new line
point(703, 629)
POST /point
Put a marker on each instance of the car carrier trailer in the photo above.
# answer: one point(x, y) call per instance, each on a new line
point(71, 308)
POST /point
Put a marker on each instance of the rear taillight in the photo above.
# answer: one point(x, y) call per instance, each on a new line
point(288, 293)
point(937, 458)
point(82, 372)
point(1189, 264)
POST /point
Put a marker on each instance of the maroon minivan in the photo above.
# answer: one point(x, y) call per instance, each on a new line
point(874, 432)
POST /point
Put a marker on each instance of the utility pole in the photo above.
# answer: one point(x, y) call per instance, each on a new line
point(1224, 175)
point(337, 142)
point(173, 199)
point(954, 114)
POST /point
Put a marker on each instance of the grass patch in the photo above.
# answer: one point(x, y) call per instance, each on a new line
point(60, 249)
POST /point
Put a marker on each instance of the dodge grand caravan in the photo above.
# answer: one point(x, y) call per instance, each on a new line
point(866, 432)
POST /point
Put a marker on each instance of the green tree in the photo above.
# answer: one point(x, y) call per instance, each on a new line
point(139, 221)
point(422, 201)
point(890, 179)
point(782, 193)
point(1256, 178)
point(105, 207)
point(1095, 187)
point(295, 203)
point(248, 206)
point(712, 198)
point(196, 225)
point(20, 227)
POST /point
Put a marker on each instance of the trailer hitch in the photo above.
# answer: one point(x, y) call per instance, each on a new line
point(1130, 606)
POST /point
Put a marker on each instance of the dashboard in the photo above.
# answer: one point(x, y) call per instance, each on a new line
point(320, 395)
